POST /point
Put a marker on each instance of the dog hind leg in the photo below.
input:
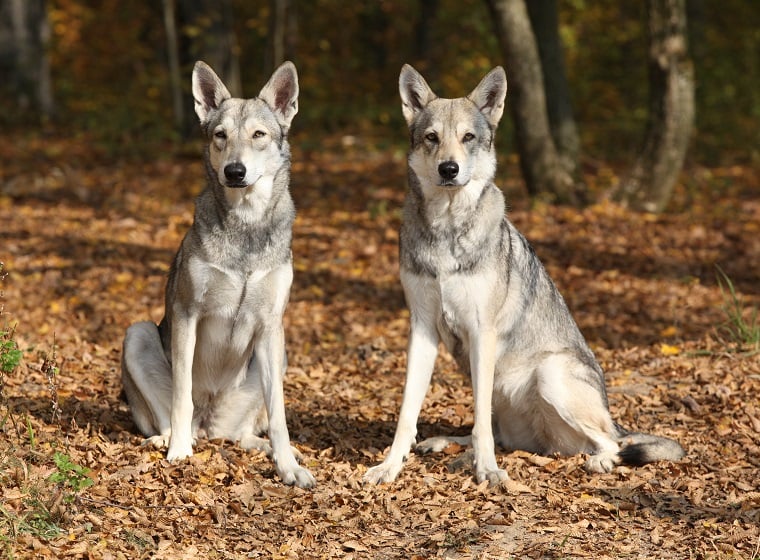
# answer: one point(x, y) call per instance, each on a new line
point(146, 376)
point(574, 414)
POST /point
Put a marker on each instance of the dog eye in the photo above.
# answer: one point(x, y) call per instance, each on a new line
point(259, 134)
point(432, 137)
point(220, 134)
point(467, 137)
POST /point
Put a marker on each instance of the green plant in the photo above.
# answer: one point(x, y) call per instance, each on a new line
point(70, 475)
point(10, 355)
point(740, 327)
point(30, 433)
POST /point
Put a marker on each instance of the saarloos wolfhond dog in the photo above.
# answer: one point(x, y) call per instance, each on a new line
point(214, 366)
point(473, 281)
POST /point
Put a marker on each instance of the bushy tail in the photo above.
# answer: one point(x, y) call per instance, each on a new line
point(638, 449)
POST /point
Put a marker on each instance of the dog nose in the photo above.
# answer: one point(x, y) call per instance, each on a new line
point(234, 172)
point(448, 170)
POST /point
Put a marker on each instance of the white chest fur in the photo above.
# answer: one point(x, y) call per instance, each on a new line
point(460, 304)
point(235, 309)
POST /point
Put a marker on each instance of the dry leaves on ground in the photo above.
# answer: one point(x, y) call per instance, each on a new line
point(86, 248)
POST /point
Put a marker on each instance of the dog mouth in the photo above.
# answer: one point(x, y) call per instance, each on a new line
point(449, 184)
point(236, 184)
point(241, 183)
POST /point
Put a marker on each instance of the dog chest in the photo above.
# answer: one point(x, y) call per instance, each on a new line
point(466, 299)
point(228, 291)
point(236, 306)
point(459, 304)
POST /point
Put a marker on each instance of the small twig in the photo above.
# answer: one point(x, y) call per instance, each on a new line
point(50, 370)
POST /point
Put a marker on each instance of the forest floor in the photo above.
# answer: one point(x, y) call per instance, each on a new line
point(87, 246)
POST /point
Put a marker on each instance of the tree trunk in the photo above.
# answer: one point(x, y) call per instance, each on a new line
point(540, 162)
point(208, 35)
point(277, 27)
point(175, 76)
point(282, 33)
point(24, 62)
point(422, 27)
point(650, 182)
point(545, 23)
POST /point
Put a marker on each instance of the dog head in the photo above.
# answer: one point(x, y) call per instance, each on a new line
point(449, 137)
point(247, 137)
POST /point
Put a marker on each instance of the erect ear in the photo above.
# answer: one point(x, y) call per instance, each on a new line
point(281, 93)
point(415, 92)
point(208, 91)
point(489, 95)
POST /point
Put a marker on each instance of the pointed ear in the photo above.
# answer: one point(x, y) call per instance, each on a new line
point(415, 92)
point(281, 93)
point(208, 91)
point(489, 95)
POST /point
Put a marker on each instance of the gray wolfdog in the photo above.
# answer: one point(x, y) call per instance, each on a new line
point(472, 280)
point(214, 365)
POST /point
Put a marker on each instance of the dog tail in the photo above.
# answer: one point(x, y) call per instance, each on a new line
point(638, 449)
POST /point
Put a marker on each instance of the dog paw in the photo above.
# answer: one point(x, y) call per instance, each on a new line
point(160, 441)
point(494, 476)
point(381, 473)
point(298, 476)
point(179, 451)
point(602, 462)
point(255, 442)
point(432, 445)
point(439, 443)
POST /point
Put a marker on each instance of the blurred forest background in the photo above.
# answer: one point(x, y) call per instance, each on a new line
point(107, 70)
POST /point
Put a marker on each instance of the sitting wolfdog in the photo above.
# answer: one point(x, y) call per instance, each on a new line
point(214, 365)
point(473, 281)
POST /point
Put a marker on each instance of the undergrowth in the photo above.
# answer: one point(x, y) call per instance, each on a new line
point(742, 326)
point(35, 502)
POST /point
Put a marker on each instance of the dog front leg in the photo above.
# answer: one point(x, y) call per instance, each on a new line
point(482, 365)
point(423, 348)
point(269, 355)
point(184, 328)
